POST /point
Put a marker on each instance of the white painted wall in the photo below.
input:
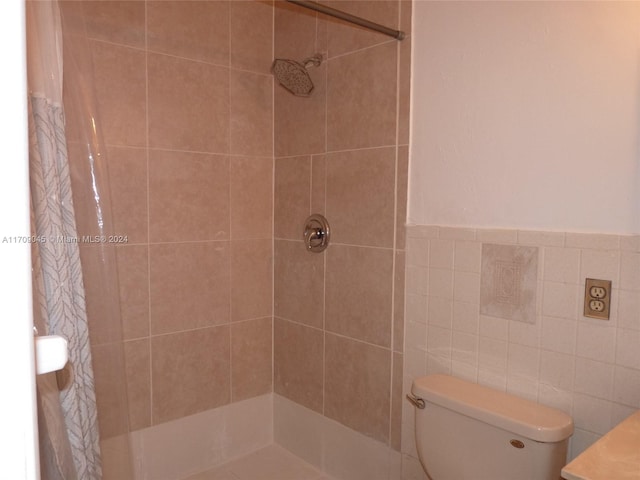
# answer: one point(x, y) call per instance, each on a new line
point(526, 115)
point(18, 431)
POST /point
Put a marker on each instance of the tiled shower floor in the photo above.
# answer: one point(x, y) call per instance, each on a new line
point(270, 463)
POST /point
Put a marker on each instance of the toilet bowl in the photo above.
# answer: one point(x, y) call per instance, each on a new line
point(466, 431)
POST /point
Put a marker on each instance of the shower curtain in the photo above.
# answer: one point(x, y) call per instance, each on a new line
point(66, 403)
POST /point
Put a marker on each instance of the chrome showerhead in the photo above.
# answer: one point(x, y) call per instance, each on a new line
point(294, 76)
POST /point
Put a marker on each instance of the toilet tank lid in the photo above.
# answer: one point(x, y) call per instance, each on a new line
point(508, 412)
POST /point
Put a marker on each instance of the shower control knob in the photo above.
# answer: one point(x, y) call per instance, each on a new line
point(316, 233)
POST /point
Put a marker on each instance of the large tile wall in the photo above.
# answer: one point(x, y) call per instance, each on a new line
point(343, 153)
point(586, 367)
point(185, 98)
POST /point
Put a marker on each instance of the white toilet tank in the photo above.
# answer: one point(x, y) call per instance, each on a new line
point(471, 432)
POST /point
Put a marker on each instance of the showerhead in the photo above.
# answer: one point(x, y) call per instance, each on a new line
point(294, 76)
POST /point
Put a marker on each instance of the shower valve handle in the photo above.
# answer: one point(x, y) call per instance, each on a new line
point(316, 233)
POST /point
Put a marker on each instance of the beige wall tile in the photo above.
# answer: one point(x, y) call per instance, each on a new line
point(353, 371)
point(300, 122)
point(251, 358)
point(84, 202)
point(99, 276)
point(115, 21)
point(189, 285)
point(358, 293)
point(362, 86)
point(188, 105)
point(291, 196)
point(345, 37)
point(298, 283)
point(120, 92)
point(319, 184)
point(298, 353)
point(251, 279)
point(398, 302)
point(361, 197)
point(251, 100)
point(137, 356)
point(406, 11)
point(402, 182)
point(395, 435)
point(188, 196)
point(196, 30)
point(111, 393)
point(133, 282)
point(251, 29)
point(128, 186)
point(404, 91)
point(190, 372)
point(295, 34)
point(251, 197)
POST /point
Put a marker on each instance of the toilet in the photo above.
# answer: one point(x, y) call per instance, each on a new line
point(466, 431)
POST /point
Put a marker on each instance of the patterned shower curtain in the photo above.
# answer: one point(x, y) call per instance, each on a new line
point(69, 439)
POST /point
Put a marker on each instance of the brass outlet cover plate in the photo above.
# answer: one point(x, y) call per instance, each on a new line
point(602, 303)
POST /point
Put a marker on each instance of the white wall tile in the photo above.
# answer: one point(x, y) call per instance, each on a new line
point(596, 342)
point(562, 265)
point(593, 378)
point(467, 256)
point(620, 413)
point(559, 334)
point(541, 238)
point(464, 347)
point(522, 371)
point(630, 271)
point(600, 264)
point(557, 370)
point(417, 332)
point(492, 356)
point(630, 243)
point(416, 308)
point(591, 413)
point(465, 371)
point(555, 398)
point(626, 386)
point(439, 341)
point(508, 237)
point(525, 333)
point(456, 233)
point(492, 327)
point(417, 280)
point(628, 309)
point(559, 300)
point(580, 441)
point(422, 231)
point(440, 312)
point(466, 287)
point(441, 254)
point(628, 348)
point(592, 240)
point(441, 283)
point(438, 364)
point(466, 317)
point(417, 252)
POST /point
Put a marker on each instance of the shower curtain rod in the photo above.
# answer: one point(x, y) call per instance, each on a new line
point(397, 34)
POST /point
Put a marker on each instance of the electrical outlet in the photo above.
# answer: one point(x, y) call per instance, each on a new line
point(597, 298)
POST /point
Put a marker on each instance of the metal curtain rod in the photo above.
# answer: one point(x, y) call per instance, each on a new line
point(397, 34)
